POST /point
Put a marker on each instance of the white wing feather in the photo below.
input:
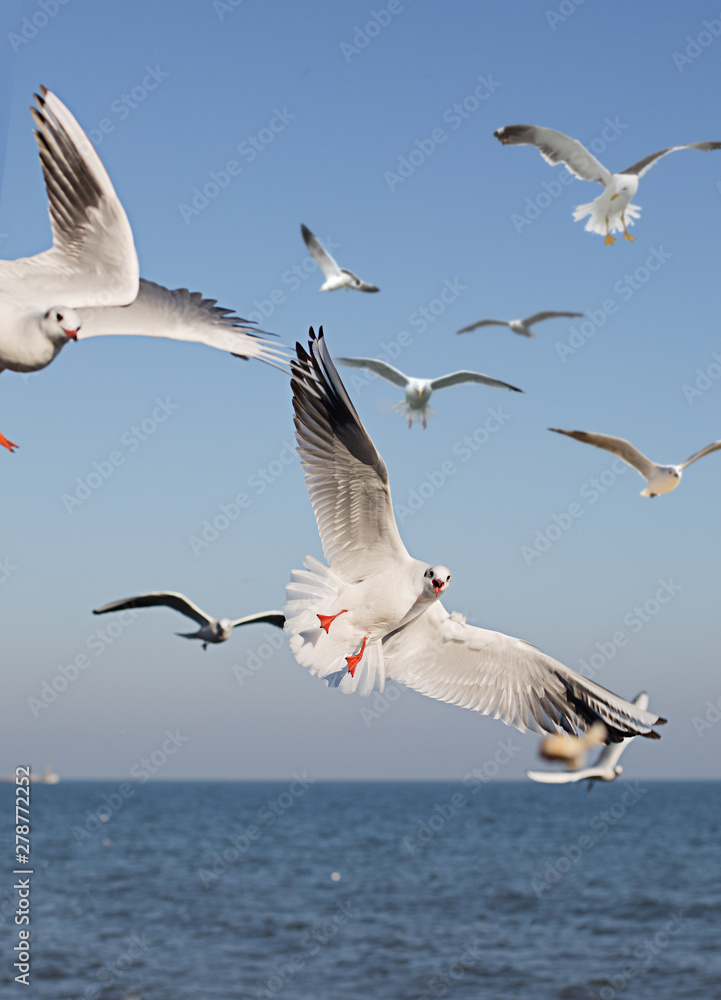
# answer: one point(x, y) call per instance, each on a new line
point(555, 147)
point(617, 446)
point(93, 259)
point(388, 372)
point(179, 315)
point(346, 478)
point(442, 657)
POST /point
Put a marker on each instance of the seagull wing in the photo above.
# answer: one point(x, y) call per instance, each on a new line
point(168, 599)
point(643, 166)
point(555, 147)
point(700, 454)
point(483, 322)
point(276, 618)
point(93, 259)
point(179, 315)
point(609, 756)
point(563, 777)
point(388, 372)
point(442, 657)
point(617, 446)
point(346, 478)
point(457, 378)
point(319, 253)
point(358, 284)
point(537, 317)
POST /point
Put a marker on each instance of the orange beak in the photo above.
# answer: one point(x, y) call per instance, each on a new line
point(437, 586)
point(70, 334)
point(614, 196)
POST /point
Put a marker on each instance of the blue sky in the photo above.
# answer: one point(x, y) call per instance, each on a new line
point(323, 108)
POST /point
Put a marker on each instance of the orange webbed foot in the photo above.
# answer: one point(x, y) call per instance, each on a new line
point(353, 661)
point(327, 620)
point(7, 443)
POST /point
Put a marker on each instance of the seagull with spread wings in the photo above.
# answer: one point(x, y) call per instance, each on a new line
point(335, 277)
point(612, 211)
point(373, 613)
point(418, 390)
point(212, 630)
point(606, 767)
point(87, 284)
point(659, 478)
point(520, 326)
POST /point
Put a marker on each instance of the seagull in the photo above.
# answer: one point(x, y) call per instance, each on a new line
point(87, 284)
point(572, 750)
point(418, 390)
point(612, 211)
point(521, 326)
point(373, 613)
point(212, 630)
point(659, 478)
point(335, 277)
point(606, 767)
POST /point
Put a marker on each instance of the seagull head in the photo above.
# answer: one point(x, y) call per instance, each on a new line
point(61, 323)
point(223, 628)
point(436, 579)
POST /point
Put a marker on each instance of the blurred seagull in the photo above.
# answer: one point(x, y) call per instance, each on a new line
point(335, 277)
point(87, 284)
point(572, 750)
point(606, 767)
point(521, 326)
point(212, 630)
point(374, 612)
point(612, 211)
point(659, 478)
point(418, 390)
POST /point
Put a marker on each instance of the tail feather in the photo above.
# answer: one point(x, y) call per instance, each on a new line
point(312, 591)
point(412, 413)
point(597, 217)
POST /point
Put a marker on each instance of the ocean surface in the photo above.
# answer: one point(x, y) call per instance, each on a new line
point(501, 890)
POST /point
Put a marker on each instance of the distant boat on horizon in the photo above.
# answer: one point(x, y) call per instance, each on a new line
point(48, 777)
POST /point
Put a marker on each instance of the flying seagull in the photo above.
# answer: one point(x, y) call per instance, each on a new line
point(659, 478)
point(418, 390)
point(572, 750)
point(612, 211)
point(212, 630)
point(374, 612)
point(521, 326)
point(606, 767)
point(335, 277)
point(87, 284)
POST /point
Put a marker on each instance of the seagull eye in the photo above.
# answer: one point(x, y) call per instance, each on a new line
point(59, 317)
